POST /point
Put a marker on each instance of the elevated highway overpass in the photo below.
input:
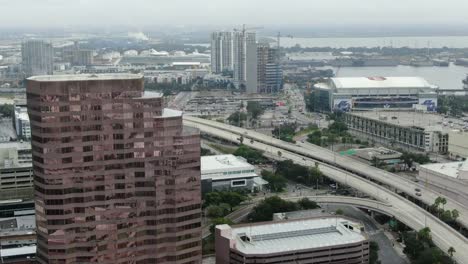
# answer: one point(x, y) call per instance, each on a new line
point(326, 156)
point(409, 213)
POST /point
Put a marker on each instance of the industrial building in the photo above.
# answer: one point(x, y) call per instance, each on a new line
point(449, 177)
point(228, 172)
point(332, 240)
point(37, 58)
point(16, 176)
point(110, 161)
point(270, 75)
point(344, 94)
point(410, 131)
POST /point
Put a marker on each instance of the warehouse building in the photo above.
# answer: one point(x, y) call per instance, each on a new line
point(329, 240)
point(228, 172)
point(344, 94)
point(449, 177)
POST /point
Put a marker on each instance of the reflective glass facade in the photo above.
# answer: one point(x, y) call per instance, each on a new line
point(116, 181)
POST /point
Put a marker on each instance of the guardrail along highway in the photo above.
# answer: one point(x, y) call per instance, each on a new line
point(346, 172)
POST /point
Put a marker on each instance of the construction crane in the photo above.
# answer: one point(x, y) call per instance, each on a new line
point(244, 29)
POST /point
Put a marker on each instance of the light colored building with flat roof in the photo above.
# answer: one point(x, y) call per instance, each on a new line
point(408, 130)
point(384, 156)
point(22, 124)
point(312, 240)
point(228, 172)
point(458, 144)
point(451, 177)
point(349, 93)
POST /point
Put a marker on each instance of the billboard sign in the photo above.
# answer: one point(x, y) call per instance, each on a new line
point(431, 104)
point(342, 105)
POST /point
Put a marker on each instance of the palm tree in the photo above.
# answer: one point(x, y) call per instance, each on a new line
point(450, 251)
point(455, 214)
point(443, 201)
point(425, 234)
point(438, 201)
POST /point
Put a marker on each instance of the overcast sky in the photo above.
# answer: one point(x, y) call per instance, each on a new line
point(57, 13)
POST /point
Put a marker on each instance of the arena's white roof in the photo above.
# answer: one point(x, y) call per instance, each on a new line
point(295, 235)
point(381, 82)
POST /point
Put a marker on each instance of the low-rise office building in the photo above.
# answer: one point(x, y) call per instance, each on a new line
point(384, 156)
point(228, 172)
point(410, 131)
point(329, 240)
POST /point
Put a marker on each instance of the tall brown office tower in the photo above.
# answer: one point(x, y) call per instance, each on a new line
point(117, 177)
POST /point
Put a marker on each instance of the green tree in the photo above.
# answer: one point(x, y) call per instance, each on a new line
point(219, 221)
point(7, 110)
point(424, 235)
point(338, 128)
point(450, 251)
point(374, 253)
point(446, 216)
point(315, 176)
point(276, 183)
point(433, 256)
point(413, 246)
point(443, 201)
point(212, 198)
point(251, 155)
point(307, 204)
point(237, 118)
point(254, 109)
point(215, 211)
point(455, 215)
point(339, 211)
point(265, 209)
point(205, 152)
point(233, 199)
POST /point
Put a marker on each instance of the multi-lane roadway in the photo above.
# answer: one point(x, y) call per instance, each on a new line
point(343, 171)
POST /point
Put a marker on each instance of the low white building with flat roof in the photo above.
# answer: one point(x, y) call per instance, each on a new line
point(349, 93)
point(322, 239)
point(458, 144)
point(451, 177)
point(227, 172)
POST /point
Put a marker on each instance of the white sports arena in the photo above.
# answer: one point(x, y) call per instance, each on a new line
point(361, 93)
